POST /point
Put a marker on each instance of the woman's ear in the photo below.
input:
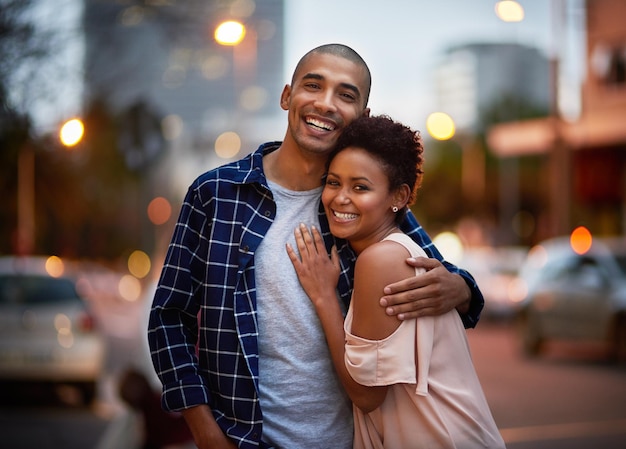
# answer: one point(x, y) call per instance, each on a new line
point(402, 195)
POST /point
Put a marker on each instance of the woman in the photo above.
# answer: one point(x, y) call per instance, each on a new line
point(412, 383)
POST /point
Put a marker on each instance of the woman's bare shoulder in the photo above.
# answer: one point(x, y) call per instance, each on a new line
point(384, 262)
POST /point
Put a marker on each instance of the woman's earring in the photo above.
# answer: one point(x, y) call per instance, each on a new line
point(394, 209)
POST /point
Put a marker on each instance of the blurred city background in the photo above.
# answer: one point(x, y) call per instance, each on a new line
point(110, 108)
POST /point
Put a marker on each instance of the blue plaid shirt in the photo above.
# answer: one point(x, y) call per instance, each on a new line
point(203, 328)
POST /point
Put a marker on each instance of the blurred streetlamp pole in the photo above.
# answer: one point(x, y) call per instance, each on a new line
point(244, 42)
point(25, 199)
point(71, 134)
point(508, 168)
point(442, 127)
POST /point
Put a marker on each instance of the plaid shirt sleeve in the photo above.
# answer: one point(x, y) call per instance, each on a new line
point(173, 325)
point(411, 227)
point(202, 330)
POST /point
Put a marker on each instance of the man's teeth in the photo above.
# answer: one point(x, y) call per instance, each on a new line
point(345, 216)
point(319, 124)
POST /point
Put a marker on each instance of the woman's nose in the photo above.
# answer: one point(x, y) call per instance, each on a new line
point(342, 197)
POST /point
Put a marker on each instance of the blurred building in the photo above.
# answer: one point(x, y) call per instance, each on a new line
point(157, 66)
point(474, 78)
point(479, 84)
point(585, 160)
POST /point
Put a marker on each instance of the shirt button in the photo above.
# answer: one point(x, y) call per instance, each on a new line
point(245, 248)
point(268, 213)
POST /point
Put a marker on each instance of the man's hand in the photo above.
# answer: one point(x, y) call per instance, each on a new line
point(434, 292)
point(206, 433)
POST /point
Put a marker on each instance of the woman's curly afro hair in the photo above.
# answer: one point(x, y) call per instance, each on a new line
point(397, 147)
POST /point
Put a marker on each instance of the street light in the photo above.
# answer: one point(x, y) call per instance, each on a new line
point(509, 11)
point(70, 134)
point(230, 33)
point(243, 40)
point(441, 127)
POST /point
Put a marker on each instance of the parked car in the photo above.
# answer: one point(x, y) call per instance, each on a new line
point(496, 270)
point(575, 296)
point(47, 333)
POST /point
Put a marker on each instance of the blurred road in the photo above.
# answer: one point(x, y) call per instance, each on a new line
point(570, 398)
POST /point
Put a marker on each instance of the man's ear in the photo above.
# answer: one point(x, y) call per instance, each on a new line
point(284, 97)
point(366, 112)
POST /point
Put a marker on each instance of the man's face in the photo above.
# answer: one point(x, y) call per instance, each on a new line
point(327, 93)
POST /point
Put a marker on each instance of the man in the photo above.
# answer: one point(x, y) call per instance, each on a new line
point(234, 339)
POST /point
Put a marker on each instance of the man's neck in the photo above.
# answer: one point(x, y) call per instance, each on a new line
point(292, 170)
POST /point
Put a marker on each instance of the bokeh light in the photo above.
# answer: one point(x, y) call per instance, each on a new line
point(242, 8)
point(227, 145)
point(139, 264)
point(72, 132)
point(253, 98)
point(509, 11)
point(230, 32)
point(55, 266)
point(172, 127)
point(214, 67)
point(440, 126)
point(129, 288)
point(523, 223)
point(450, 246)
point(63, 326)
point(538, 257)
point(159, 210)
point(581, 240)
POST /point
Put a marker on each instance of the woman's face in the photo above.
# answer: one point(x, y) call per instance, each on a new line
point(357, 199)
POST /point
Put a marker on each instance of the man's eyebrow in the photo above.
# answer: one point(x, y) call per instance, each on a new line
point(318, 77)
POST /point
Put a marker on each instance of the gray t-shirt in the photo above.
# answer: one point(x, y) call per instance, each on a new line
point(302, 400)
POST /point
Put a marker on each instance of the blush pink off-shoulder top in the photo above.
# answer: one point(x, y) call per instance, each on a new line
point(434, 397)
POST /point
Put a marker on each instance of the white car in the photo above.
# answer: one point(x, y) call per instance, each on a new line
point(575, 296)
point(47, 333)
point(495, 270)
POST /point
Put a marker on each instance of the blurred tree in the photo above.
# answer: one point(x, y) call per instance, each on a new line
point(87, 199)
point(441, 203)
point(26, 50)
point(21, 47)
point(14, 131)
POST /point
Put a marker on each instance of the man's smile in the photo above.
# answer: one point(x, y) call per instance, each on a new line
point(320, 124)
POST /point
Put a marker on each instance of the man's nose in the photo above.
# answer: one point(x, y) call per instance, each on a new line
point(325, 101)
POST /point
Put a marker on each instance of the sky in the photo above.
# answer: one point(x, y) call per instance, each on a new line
point(403, 40)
